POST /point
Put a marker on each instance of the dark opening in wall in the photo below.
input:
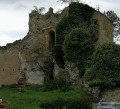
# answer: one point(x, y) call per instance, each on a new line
point(51, 76)
point(51, 39)
point(96, 22)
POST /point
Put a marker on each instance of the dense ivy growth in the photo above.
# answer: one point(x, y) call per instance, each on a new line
point(77, 47)
point(79, 17)
point(105, 67)
point(81, 11)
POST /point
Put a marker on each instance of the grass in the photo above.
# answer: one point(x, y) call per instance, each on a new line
point(32, 97)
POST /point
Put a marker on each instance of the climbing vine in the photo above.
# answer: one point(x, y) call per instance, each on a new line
point(79, 17)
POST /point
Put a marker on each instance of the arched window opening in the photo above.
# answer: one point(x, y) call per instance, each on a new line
point(96, 22)
point(51, 39)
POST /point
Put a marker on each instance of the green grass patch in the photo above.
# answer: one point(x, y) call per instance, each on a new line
point(33, 98)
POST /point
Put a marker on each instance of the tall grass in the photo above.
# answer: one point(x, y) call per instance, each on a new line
point(33, 98)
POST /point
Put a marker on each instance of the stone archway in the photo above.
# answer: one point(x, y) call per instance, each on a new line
point(51, 37)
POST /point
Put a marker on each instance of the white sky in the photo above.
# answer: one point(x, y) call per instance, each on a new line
point(14, 15)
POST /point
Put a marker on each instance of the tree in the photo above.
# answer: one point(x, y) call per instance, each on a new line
point(77, 48)
point(39, 10)
point(105, 70)
point(115, 21)
point(112, 16)
point(70, 1)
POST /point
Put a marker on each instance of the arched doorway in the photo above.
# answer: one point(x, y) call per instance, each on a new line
point(51, 39)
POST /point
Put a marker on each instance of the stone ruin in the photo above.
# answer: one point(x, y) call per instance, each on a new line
point(24, 61)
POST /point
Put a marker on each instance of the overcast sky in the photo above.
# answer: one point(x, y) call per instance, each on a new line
point(14, 15)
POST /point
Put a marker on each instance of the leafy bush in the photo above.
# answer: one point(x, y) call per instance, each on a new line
point(71, 103)
point(58, 83)
point(12, 86)
point(79, 17)
point(77, 47)
point(105, 67)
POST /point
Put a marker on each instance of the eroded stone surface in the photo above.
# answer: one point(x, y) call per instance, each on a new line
point(26, 58)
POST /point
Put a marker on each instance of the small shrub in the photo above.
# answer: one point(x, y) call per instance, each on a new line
point(105, 70)
point(33, 87)
point(12, 86)
point(59, 83)
point(60, 103)
point(56, 104)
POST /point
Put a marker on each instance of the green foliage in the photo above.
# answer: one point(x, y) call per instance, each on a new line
point(79, 17)
point(112, 16)
point(33, 99)
point(68, 104)
point(10, 86)
point(39, 10)
point(81, 11)
point(77, 47)
point(69, 1)
point(82, 101)
point(59, 83)
point(105, 70)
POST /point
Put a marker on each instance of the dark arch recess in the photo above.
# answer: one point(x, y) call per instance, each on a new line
point(51, 38)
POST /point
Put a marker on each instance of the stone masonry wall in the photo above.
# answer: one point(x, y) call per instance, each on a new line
point(34, 51)
point(10, 67)
point(104, 27)
point(28, 57)
point(111, 95)
point(39, 22)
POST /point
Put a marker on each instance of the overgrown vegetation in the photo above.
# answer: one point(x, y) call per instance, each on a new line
point(105, 70)
point(34, 98)
point(71, 103)
point(59, 83)
point(38, 10)
point(115, 20)
point(78, 47)
point(79, 17)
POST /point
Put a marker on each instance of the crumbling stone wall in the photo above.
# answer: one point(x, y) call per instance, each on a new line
point(34, 52)
point(111, 95)
point(104, 27)
point(39, 22)
point(27, 58)
point(10, 67)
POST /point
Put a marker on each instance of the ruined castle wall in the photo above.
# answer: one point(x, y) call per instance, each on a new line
point(9, 65)
point(38, 22)
point(29, 56)
point(104, 27)
point(34, 52)
point(111, 95)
